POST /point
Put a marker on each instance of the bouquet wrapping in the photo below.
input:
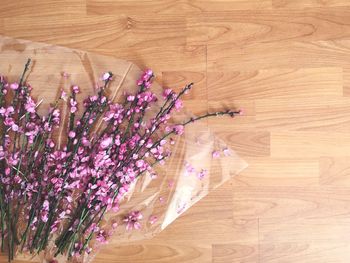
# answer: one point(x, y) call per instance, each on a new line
point(182, 164)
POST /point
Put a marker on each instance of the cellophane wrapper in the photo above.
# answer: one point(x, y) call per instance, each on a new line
point(161, 200)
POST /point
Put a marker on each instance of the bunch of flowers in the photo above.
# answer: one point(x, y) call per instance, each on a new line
point(61, 192)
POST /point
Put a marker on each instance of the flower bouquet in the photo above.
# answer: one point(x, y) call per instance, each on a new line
point(112, 159)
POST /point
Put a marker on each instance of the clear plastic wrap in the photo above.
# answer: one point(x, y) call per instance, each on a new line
point(189, 175)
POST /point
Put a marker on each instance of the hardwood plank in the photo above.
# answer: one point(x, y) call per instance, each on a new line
point(2, 26)
point(157, 252)
point(301, 251)
point(305, 230)
point(289, 203)
point(279, 172)
point(278, 55)
point(308, 3)
point(245, 27)
point(188, 7)
point(171, 58)
point(275, 83)
point(102, 32)
point(307, 114)
point(309, 144)
point(245, 143)
point(335, 171)
point(18, 8)
point(235, 252)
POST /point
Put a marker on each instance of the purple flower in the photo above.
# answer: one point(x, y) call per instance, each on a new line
point(153, 219)
point(75, 89)
point(64, 95)
point(178, 104)
point(14, 86)
point(71, 134)
point(216, 154)
point(226, 152)
point(179, 129)
point(202, 174)
point(102, 236)
point(106, 142)
point(106, 76)
point(132, 220)
point(30, 105)
point(73, 104)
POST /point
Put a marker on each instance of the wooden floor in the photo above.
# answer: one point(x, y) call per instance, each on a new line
point(286, 63)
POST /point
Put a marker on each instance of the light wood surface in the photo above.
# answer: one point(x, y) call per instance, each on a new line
point(286, 63)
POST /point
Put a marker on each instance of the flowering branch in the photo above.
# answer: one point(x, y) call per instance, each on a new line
point(62, 193)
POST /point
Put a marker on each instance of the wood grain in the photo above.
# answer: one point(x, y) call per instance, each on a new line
point(189, 7)
point(245, 27)
point(286, 63)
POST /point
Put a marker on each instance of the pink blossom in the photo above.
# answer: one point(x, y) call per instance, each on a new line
point(114, 225)
point(106, 142)
point(226, 152)
point(65, 74)
point(132, 220)
point(189, 168)
point(202, 174)
point(14, 127)
point(14, 86)
point(178, 104)
point(75, 89)
point(179, 129)
point(106, 76)
point(153, 219)
point(102, 237)
point(73, 104)
point(30, 105)
point(140, 163)
point(130, 98)
point(64, 95)
point(71, 134)
point(167, 93)
point(216, 154)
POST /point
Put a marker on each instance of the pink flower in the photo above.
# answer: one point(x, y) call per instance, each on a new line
point(102, 237)
point(14, 127)
point(178, 104)
point(189, 168)
point(76, 89)
point(216, 154)
point(73, 104)
point(106, 142)
point(64, 95)
point(153, 219)
point(179, 129)
point(130, 98)
point(226, 152)
point(140, 163)
point(114, 225)
point(71, 134)
point(149, 72)
point(14, 86)
point(167, 93)
point(132, 220)
point(106, 76)
point(30, 105)
point(202, 174)
point(65, 75)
